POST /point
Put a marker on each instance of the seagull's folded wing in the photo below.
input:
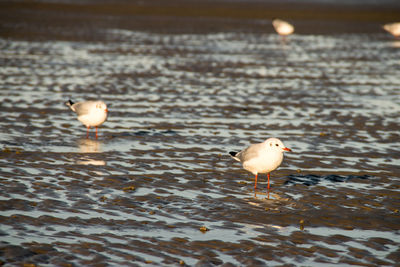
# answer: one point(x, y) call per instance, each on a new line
point(82, 108)
point(253, 151)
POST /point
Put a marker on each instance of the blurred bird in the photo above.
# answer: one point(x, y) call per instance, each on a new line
point(393, 28)
point(282, 27)
point(262, 157)
point(90, 113)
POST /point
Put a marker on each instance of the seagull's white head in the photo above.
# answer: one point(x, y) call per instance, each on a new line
point(276, 144)
point(100, 105)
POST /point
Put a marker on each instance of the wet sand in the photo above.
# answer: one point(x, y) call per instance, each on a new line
point(186, 83)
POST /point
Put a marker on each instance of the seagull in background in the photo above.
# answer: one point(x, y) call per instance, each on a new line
point(283, 28)
point(393, 28)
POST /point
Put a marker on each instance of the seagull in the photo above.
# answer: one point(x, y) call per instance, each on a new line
point(262, 157)
point(282, 27)
point(90, 113)
point(393, 28)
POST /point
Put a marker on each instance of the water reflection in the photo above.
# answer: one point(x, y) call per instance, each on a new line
point(267, 196)
point(395, 44)
point(90, 146)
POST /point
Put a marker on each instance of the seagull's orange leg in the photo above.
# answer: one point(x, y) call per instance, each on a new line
point(96, 132)
point(87, 132)
point(268, 186)
point(255, 182)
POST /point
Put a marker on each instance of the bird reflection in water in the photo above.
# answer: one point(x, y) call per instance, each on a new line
point(88, 147)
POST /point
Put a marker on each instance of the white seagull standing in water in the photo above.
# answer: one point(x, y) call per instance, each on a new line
point(283, 28)
point(393, 28)
point(90, 113)
point(262, 157)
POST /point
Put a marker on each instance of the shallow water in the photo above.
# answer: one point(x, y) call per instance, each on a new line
point(160, 169)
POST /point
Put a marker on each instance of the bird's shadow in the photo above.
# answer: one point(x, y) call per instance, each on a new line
point(313, 179)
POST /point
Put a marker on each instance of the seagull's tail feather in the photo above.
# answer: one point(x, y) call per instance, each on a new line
point(233, 155)
point(69, 103)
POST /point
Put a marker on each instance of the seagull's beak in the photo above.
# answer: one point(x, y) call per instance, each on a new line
point(287, 149)
point(106, 110)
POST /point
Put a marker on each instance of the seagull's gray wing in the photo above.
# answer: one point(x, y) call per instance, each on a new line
point(82, 108)
point(251, 152)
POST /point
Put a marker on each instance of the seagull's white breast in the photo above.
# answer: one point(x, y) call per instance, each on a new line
point(95, 117)
point(265, 162)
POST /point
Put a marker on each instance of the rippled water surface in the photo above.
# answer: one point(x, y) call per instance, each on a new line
point(160, 171)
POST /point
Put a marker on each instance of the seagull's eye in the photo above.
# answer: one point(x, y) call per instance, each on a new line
point(277, 144)
point(270, 144)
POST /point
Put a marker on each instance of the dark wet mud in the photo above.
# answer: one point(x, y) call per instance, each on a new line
point(158, 187)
